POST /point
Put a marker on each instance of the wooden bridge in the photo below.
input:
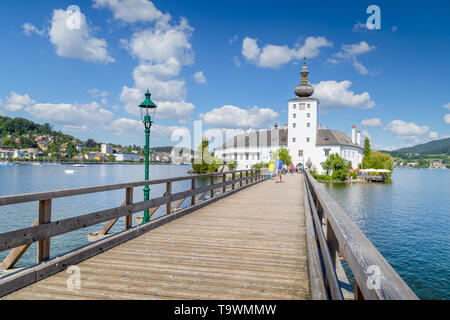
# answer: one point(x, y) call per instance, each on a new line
point(242, 237)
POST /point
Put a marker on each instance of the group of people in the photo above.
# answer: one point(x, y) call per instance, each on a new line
point(282, 168)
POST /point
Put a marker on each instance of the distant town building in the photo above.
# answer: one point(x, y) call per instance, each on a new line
point(127, 157)
point(106, 148)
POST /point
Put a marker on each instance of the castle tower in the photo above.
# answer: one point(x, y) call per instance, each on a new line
point(302, 122)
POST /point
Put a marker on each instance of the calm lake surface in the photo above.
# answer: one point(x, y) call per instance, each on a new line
point(408, 220)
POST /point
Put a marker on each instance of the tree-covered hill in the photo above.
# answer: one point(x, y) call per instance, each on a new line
point(433, 147)
point(20, 126)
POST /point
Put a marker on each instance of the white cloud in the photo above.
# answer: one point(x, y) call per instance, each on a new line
point(375, 122)
point(335, 95)
point(229, 116)
point(349, 52)
point(131, 11)
point(97, 93)
point(406, 130)
point(433, 135)
point(77, 129)
point(358, 26)
point(162, 51)
point(365, 133)
point(199, 77)
point(77, 42)
point(29, 29)
point(72, 114)
point(158, 45)
point(446, 106)
point(17, 102)
point(273, 56)
point(447, 118)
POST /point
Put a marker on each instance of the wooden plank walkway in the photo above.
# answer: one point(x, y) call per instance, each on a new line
point(250, 245)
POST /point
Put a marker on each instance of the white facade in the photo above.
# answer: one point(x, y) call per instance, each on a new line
point(106, 148)
point(309, 144)
point(127, 157)
point(302, 122)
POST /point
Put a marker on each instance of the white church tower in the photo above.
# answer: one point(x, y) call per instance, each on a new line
point(303, 122)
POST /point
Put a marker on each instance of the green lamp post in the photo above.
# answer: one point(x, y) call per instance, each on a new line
point(149, 106)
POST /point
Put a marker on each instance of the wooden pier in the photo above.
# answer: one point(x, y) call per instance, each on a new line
point(250, 238)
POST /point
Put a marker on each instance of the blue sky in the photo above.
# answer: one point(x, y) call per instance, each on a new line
point(231, 64)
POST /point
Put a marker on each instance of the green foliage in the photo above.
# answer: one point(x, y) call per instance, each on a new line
point(284, 155)
point(208, 163)
point(27, 143)
point(8, 142)
point(334, 163)
point(378, 160)
point(340, 174)
point(367, 150)
point(232, 165)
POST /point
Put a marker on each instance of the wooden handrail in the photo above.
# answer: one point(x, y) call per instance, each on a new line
point(29, 197)
point(360, 254)
point(44, 229)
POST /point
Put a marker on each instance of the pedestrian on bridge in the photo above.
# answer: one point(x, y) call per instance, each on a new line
point(279, 168)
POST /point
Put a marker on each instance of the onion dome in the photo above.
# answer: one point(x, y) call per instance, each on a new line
point(304, 89)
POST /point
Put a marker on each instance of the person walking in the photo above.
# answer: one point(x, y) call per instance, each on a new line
point(279, 168)
point(271, 168)
point(291, 168)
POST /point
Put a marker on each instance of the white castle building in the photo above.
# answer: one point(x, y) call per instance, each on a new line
point(309, 144)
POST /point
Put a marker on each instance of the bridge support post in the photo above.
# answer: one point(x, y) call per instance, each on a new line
point(45, 216)
point(193, 188)
point(212, 183)
point(128, 200)
point(224, 179)
point(168, 192)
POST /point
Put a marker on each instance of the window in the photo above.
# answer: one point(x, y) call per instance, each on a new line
point(307, 139)
point(308, 124)
point(300, 153)
point(293, 125)
point(308, 115)
point(294, 116)
point(293, 139)
point(327, 152)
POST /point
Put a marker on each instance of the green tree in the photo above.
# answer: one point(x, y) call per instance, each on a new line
point(8, 142)
point(205, 162)
point(284, 155)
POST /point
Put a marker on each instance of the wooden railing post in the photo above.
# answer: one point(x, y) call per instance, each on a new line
point(45, 216)
point(224, 179)
point(193, 188)
point(332, 242)
point(128, 200)
point(212, 182)
point(168, 192)
point(357, 294)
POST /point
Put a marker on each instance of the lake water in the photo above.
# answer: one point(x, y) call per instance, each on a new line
point(408, 220)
